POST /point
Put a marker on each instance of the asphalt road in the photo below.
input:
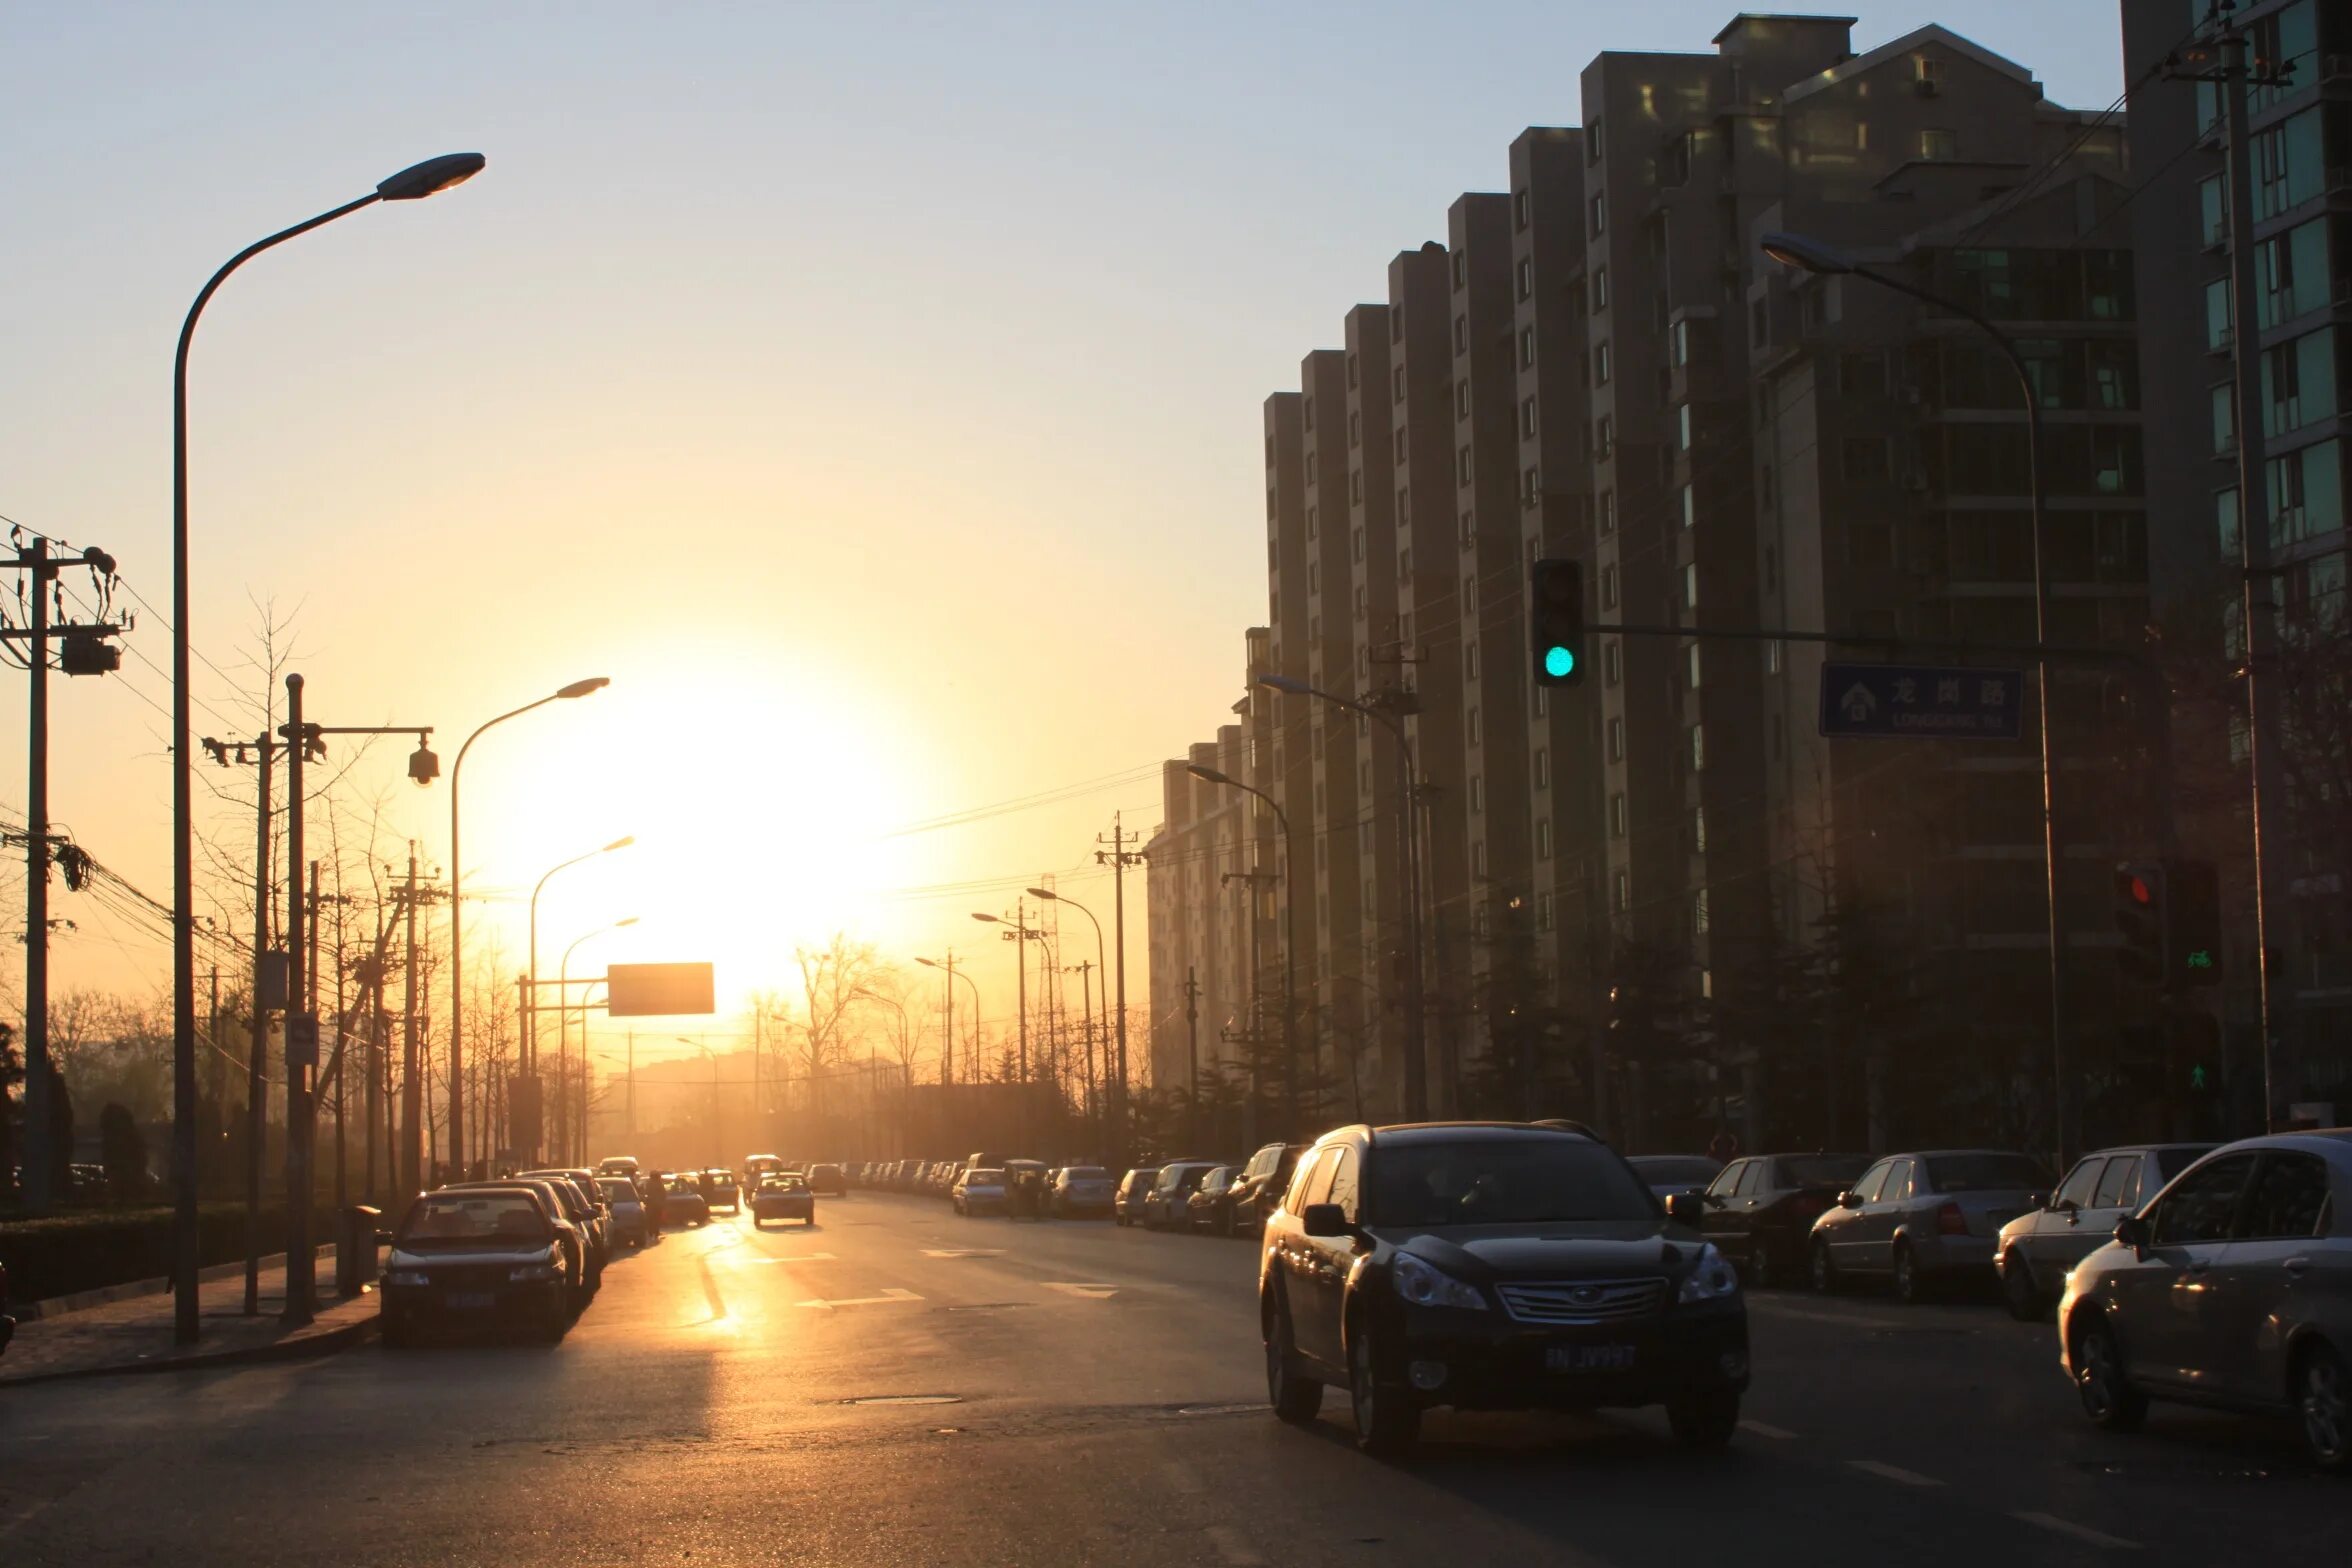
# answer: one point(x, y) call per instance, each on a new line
point(898, 1386)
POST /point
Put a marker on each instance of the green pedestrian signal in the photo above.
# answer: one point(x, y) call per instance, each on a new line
point(2197, 1077)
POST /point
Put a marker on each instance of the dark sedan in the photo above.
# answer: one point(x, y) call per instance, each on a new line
point(1210, 1206)
point(1493, 1266)
point(1760, 1209)
point(476, 1256)
point(1134, 1188)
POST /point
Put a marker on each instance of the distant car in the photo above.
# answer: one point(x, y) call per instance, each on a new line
point(476, 1256)
point(2040, 1247)
point(617, 1165)
point(827, 1179)
point(1915, 1219)
point(980, 1192)
point(630, 1224)
point(1671, 1173)
point(1210, 1207)
point(1760, 1209)
point(783, 1198)
point(1081, 1192)
point(1260, 1184)
point(1164, 1207)
point(1134, 1187)
point(2232, 1288)
point(684, 1203)
point(721, 1190)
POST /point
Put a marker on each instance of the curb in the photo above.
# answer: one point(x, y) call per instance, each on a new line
point(326, 1342)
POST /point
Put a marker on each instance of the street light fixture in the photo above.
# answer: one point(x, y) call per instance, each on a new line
point(1020, 932)
point(531, 1007)
point(1815, 256)
point(1103, 970)
point(580, 688)
point(947, 1062)
point(1290, 1060)
point(563, 1021)
point(418, 180)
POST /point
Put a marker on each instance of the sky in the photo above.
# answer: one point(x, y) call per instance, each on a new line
point(871, 391)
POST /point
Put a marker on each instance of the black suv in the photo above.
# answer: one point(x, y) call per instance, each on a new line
point(1493, 1266)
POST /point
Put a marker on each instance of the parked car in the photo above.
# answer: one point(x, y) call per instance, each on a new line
point(980, 1192)
point(1918, 1219)
point(1668, 1173)
point(631, 1224)
point(1210, 1206)
point(2039, 1248)
point(1081, 1192)
point(588, 1213)
point(1134, 1187)
point(584, 1274)
point(465, 1257)
point(1164, 1207)
point(684, 1203)
point(783, 1198)
point(2232, 1288)
point(617, 1165)
point(1260, 1184)
point(1760, 1209)
point(827, 1179)
point(758, 1167)
point(721, 1190)
point(1492, 1266)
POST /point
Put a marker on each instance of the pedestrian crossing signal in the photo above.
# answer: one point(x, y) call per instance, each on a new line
point(1555, 620)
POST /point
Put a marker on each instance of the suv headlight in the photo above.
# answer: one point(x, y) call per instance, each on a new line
point(1426, 1285)
point(1710, 1279)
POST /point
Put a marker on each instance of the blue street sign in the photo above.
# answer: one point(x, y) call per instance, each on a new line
point(1921, 702)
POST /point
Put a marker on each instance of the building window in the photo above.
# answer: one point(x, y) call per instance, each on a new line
point(1699, 913)
point(1612, 662)
point(1477, 794)
point(1600, 214)
point(1307, 413)
point(1526, 348)
point(1690, 506)
point(1396, 379)
point(1624, 892)
point(1772, 658)
point(1405, 562)
point(1461, 334)
point(1690, 585)
point(1600, 364)
point(1364, 778)
point(1679, 342)
point(1683, 424)
point(1359, 601)
point(1609, 587)
point(1617, 815)
point(1541, 706)
point(1519, 209)
point(1608, 511)
point(1462, 399)
point(1462, 465)
point(1527, 277)
point(1690, 667)
point(1600, 290)
point(1617, 739)
point(1543, 911)
point(1698, 748)
point(1939, 146)
point(1355, 484)
point(1478, 865)
point(1355, 422)
point(1543, 839)
point(1356, 545)
point(1699, 830)
point(1527, 416)
point(1927, 72)
point(1461, 268)
point(1310, 525)
point(1470, 673)
point(1543, 767)
point(1530, 486)
point(1592, 140)
point(1603, 440)
point(1470, 723)
point(1351, 372)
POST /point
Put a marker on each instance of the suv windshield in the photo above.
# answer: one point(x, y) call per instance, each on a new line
point(1982, 1172)
point(1494, 1181)
point(463, 1219)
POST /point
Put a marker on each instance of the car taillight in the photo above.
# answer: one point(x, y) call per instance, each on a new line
point(1950, 1221)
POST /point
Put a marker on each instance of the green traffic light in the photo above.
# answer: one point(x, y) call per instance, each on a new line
point(1559, 662)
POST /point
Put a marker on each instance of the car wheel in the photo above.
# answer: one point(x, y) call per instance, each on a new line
point(2024, 1298)
point(1821, 1270)
point(2323, 1396)
point(1910, 1285)
point(1296, 1398)
point(1706, 1420)
point(2108, 1397)
point(1387, 1422)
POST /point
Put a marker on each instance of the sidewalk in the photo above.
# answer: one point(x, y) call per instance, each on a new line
point(136, 1335)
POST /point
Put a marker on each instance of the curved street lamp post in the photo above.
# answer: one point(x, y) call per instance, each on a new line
point(531, 991)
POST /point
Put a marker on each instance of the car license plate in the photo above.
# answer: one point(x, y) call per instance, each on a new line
point(470, 1300)
point(1588, 1358)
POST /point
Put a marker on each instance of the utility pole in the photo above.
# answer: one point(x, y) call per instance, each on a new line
point(301, 1035)
point(1191, 1056)
point(1085, 968)
point(1118, 857)
point(257, 1051)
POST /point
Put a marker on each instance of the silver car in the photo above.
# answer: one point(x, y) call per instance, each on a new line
point(2040, 1247)
point(2233, 1288)
point(1915, 1219)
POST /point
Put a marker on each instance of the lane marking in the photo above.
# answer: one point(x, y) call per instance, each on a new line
point(1085, 1292)
point(1892, 1473)
point(888, 1296)
point(1841, 1319)
point(710, 1290)
point(1764, 1429)
point(1182, 1477)
point(2081, 1532)
point(1232, 1547)
point(963, 1252)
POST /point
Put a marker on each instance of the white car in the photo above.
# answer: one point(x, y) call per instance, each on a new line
point(979, 1192)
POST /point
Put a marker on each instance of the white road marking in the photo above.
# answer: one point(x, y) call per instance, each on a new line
point(889, 1295)
point(1182, 1478)
point(1764, 1429)
point(1892, 1473)
point(1083, 1291)
point(2081, 1532)
point(806, 1257)
point(1232, 1547)
point(963, 1252)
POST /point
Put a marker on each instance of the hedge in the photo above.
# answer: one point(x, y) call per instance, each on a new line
point(60, 1254)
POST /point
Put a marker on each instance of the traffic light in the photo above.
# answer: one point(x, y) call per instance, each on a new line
point(2192, 935)
point(1555, 620)
point(2140, 920)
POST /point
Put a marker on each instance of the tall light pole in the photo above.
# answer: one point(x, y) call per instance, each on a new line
point(563, 1020)
point(947, 1057)
point(1101, 965)
point(531, 1006)
point(576, 689)
point(1290, 1060)
point(410, 184)
point(1409, 843)
point(1811, 255)
point(1020, 933)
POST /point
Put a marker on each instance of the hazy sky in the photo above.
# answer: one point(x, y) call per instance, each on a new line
point(870, 391)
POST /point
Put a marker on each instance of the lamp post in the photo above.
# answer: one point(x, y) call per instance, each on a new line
point(563, 1020)
point(1290, 1061)
point(576, 689)
point(410, 184)
point(531, 1009)
point(1409, 845)
point(1101, 967)
point(947, 1055)
point(1019, 931)
point(1813, 256)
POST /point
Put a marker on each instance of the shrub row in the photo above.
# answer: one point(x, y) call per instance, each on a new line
point(60, 1254)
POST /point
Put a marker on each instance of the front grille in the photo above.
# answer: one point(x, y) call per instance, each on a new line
point(1582, 1301)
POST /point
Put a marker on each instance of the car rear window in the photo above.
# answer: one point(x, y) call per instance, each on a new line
point(473, 1217)
point(984, 1178)
point(1822, 1170)
point(1494, 1181)
point(1983, 1172)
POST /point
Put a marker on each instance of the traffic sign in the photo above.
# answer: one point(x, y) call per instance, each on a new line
point(1921, 702)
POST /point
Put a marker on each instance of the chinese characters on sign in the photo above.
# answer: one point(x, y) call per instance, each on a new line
point(1921, 702)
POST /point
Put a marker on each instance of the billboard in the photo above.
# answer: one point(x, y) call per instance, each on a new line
point(658, 990)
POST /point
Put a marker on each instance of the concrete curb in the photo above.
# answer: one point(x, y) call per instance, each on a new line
point(304, 1347)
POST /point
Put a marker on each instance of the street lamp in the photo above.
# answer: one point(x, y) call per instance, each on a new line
point(531, 1006)
point(1811, 255)
point(563, 1022)
point(947, 1061)
point(1290, 1063)
point(1020, 932)
point(1409, 847)
point(582, 688)
point(418, 180)
point(1103, 969)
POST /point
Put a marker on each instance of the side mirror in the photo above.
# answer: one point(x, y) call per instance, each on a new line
point(2132, 1231)
point(1847, 1200)
point(1685, 1208)
point(1324, 1220)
